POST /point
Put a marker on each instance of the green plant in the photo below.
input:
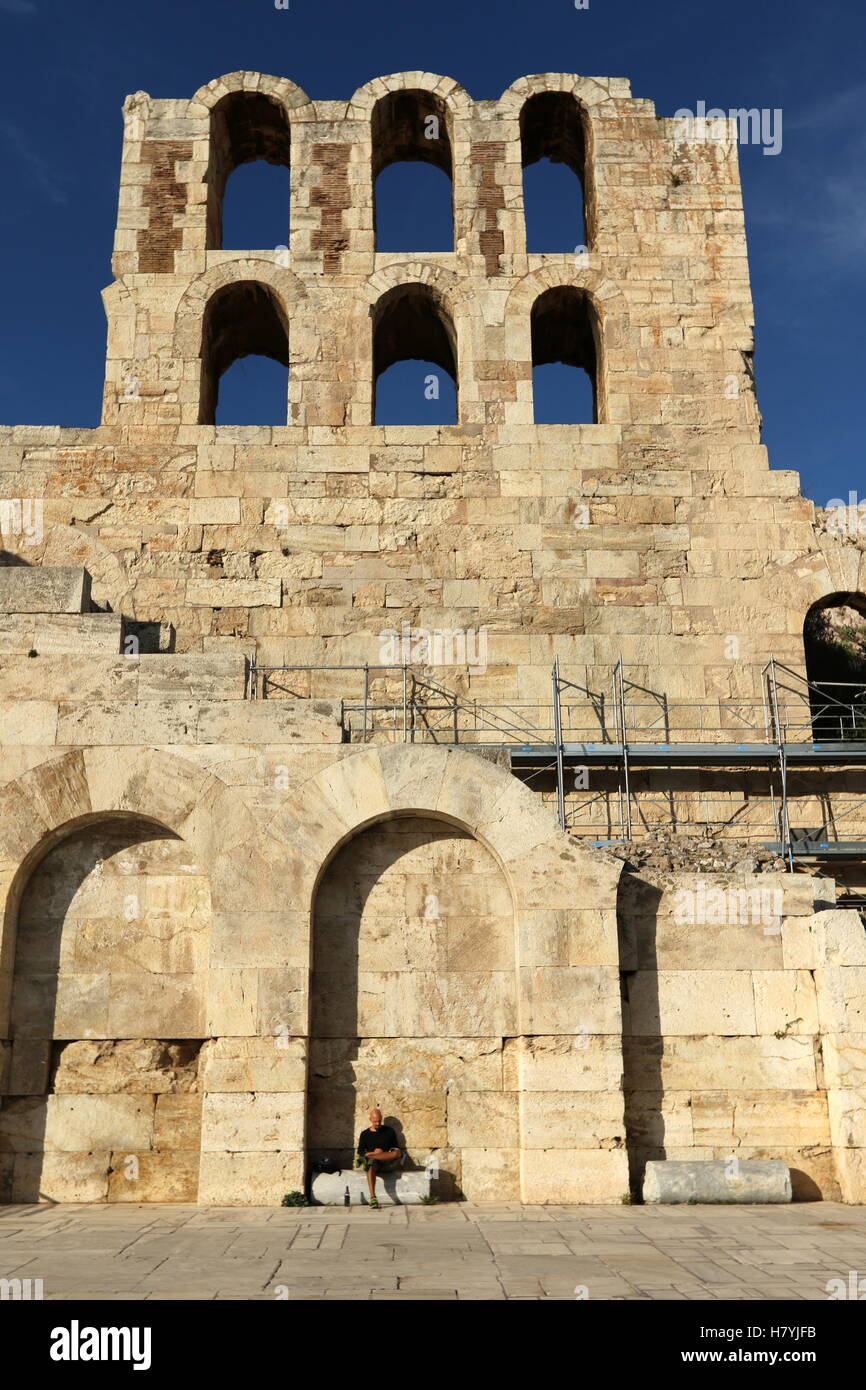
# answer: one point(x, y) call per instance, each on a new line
point(428, 1200)
point(783, 1032)
point(626, 1199)
point(294, 1199)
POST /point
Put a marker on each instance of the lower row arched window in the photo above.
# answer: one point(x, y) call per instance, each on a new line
point(245, 358)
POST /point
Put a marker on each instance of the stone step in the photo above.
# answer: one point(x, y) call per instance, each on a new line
point(392, 1189)
point(38, 589)
point(730, 1180)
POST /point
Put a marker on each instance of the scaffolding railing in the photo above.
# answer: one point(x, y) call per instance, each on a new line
point(633, 725)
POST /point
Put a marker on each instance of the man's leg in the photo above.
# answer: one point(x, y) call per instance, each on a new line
point(374, 1157)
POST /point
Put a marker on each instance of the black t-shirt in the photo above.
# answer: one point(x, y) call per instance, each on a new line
point(381, 1138)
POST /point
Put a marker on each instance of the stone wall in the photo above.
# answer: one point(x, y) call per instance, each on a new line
point(280, 973)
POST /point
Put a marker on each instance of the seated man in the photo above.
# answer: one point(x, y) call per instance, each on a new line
point(377, 1148)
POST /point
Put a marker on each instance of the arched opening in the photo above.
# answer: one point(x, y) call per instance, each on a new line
point(413, 1003)
point(553, 153)
point(107, 1017)
point(241, 320)
point(414, 359)
point(246, 127)
point(565, 357)
point(834, 642)
point(413, 207)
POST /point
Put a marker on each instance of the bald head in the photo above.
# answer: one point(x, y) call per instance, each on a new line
point(375, 1118)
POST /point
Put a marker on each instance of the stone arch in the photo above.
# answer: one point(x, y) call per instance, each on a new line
point(58, 797)
point(111, 909)
point(561, 891)
point(287, 289)
point(414, 321)
point(288, 93)
point(455, 98)
point(413, 991)
point(589, 92)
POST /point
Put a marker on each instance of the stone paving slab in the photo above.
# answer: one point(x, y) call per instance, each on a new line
point(456, 1251)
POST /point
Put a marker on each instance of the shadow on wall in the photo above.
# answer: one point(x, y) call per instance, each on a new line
point(339, 1032)
point(73, 925)
point(646, 1115)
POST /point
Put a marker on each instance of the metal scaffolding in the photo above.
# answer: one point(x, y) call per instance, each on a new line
point(632, 728)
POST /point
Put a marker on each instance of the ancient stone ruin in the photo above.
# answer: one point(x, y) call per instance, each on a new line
point(482, 771)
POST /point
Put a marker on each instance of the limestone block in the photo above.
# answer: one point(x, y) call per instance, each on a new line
point(250, 1123)
point(28, 1073)
point(192, 677)
point(847, 1111)
point(581, 1063)
point(256, 938)
point(751, 1180)
point(851, 1170)
point(490, 1175)
point(154, 1177)
point(258, 1179)
point(673, 1003)
point(60, 1177)
point(145, 1066)
point(563, 1119)
point(269, 721)
point(785, 1000)
point(765, 1119)
point(31, 589)
point(844, 1060)
point(660, 1121)
point(478, 1118)
point(28, 722)
point(171, 1006)
point(232, 1003)
point(428, 1065)
point(51, 1006)
point(571, 1000)
point(841, 994)
point(234, 593)
point(841, 936)
point(177, 1122)
point(585, 1177)
point(276, 1064)
point(282, 1001)
point(76, 1124)
point(713, 1062)
point(116, 723)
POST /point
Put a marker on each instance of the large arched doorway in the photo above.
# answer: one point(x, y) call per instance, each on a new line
point(834, 642)
point(107, 1020)
point(413, 995)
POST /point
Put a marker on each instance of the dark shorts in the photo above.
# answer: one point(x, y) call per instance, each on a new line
point(383, 1165)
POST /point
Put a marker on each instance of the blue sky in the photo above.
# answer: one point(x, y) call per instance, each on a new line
point(65, 70)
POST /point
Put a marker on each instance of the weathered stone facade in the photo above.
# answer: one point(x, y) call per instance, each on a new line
point(231, 923)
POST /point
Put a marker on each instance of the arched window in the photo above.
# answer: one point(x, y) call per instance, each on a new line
point(414, 359)
point(565, 353)
point(412, 173)
point(253, 212)
point(243, 320)
point(553, 152)
point(834, 641)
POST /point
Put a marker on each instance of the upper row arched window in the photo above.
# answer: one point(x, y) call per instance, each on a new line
point(412, 173)
point(245, 357)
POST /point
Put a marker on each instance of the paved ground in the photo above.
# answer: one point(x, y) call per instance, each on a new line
point(465, 1250)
